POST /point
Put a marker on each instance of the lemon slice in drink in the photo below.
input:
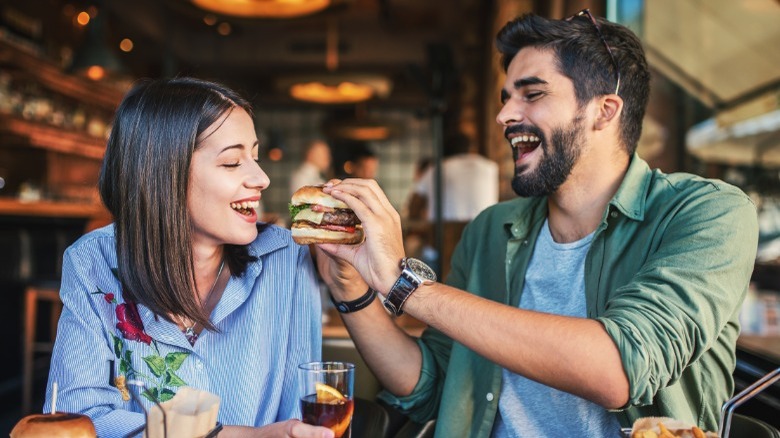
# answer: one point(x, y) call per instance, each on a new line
point(328, 394)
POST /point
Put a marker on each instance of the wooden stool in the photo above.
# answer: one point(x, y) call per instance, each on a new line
point(30, 346)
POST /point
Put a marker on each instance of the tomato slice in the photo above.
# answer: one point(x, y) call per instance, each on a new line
point(343, 228)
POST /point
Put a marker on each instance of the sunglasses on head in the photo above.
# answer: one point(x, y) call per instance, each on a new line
point(586, 13)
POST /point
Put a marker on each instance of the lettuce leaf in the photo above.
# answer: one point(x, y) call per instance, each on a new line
point(295, 209)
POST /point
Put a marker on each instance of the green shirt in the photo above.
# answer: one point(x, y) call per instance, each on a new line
point(666, 274)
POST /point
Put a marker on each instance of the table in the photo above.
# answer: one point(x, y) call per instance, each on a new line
point(766, 347)
point(334, 327)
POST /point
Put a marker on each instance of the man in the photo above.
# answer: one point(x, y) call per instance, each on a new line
point(469, 182)
point(316, 163)
point(607, 292)
point(365, 163)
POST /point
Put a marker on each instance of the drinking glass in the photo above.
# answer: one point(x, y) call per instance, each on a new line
point(326, 395)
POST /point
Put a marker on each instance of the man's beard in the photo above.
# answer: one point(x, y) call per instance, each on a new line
point(558, 158)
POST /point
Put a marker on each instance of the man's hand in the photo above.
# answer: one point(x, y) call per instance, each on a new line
point(377, 258)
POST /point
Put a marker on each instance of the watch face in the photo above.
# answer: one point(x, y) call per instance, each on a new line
point(421, 269)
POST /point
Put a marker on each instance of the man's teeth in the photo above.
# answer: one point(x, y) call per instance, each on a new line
point(246, 205)
point(524, 139)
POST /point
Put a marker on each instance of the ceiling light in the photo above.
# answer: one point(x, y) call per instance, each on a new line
point(224, 29)
point(263, 8)
point(94, 58)
point(359, 129)
point(126, 45)
point(334, 88)
point(210, 19)
point(82, 18)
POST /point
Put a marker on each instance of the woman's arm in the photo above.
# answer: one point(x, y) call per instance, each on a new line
point(82, 359)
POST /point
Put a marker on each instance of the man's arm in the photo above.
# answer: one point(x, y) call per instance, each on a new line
point(381, 343)
point(575, 355)
point(572, 354)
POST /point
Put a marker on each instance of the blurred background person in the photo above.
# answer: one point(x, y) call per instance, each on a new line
point(315, 167)
point(364, 163)
point(469, 182)
point(415, 206)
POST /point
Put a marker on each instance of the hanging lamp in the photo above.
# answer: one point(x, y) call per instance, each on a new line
point(94, 58)
point(334, 87)
point(263, 8)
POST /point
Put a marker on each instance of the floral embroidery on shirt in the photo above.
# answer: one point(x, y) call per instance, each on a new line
point(162, 383)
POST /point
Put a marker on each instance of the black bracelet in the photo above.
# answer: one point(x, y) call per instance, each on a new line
point(355, 305)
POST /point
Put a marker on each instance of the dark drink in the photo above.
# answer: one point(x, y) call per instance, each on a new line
point(335, 415)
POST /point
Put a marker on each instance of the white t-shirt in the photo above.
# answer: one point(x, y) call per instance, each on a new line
point(469, 185)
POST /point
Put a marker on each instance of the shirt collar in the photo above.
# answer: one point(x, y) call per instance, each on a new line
point(631, 196)
point(630, 200)
point(269, 239)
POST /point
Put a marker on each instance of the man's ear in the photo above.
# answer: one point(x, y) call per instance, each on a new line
point(609, 109)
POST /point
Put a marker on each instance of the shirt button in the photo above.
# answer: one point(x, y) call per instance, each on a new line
point(199, 364)
point(489, 396)
point(614, 214)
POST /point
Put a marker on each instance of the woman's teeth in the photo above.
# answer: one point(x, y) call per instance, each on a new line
point(245, 207)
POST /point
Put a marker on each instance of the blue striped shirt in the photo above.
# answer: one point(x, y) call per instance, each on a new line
point(268, 319)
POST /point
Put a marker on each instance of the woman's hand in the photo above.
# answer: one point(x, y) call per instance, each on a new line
point(343, 281)
point(284, 429)
point(377, 258)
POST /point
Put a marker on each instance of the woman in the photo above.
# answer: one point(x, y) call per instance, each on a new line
point(183, 290)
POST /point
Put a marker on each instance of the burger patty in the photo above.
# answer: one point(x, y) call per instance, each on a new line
point(341, 217)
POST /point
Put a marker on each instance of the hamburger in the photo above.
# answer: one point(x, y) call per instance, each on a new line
point(320, 218)
point(53, 426)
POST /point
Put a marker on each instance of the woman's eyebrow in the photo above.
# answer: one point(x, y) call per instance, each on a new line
point(239, 146)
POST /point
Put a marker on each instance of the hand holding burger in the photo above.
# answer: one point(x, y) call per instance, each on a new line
point(320, 218)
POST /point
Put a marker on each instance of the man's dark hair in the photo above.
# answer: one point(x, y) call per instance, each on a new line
point(143, 183)
point(582, 57)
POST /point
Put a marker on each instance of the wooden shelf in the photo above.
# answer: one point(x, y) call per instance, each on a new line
point(14, 207)
point(50, 76)
point(50, 138)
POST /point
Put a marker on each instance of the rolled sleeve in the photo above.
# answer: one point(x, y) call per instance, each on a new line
point(422, 404)
point(687, 291)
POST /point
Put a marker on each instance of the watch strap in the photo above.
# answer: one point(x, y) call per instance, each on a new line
point(354, 305)
point(399, 293)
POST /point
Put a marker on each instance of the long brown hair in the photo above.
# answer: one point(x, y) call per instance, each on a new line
point(143, 183)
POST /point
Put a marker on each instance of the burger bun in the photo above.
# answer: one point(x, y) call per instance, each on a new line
point(303, 234)
point(59, 425)
point(315, 195)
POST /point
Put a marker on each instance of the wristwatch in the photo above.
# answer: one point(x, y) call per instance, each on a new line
point(413, 274)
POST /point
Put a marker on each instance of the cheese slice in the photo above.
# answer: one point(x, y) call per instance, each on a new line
point(307, 215)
